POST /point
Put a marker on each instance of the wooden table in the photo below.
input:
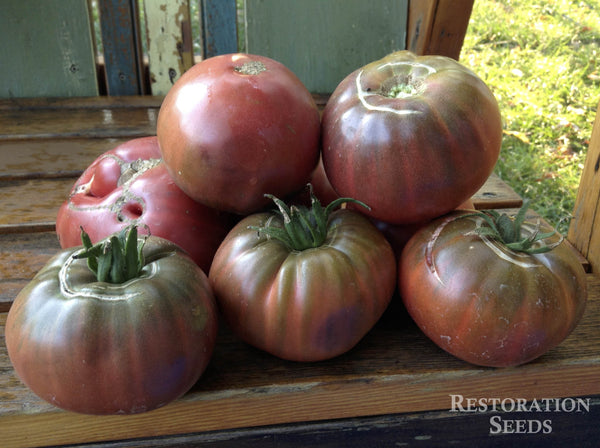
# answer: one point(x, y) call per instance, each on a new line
point(396, 388)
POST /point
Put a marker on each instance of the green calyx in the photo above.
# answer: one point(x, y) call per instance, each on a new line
point(116, 259)
point(303, 227)
point(508, 231)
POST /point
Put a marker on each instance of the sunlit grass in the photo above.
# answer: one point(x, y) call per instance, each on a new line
point(540, 59)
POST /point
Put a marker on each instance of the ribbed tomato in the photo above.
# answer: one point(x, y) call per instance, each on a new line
point(130, 185)
point(99, 347)
point(312, 296)
point(487, 299)
point(412, 136)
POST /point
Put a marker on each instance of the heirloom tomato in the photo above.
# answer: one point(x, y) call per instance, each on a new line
point(304, 284)
point(133, 334)
point(399, 234)
point(492, 290)
point(235, 127)
point(412, 136)
point(130, 185)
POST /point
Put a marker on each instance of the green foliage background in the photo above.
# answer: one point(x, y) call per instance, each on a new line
point(540, 57)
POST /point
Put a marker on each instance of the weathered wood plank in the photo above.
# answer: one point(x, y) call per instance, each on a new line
point(322, 42)
point(584, 231)
point(218, 19)
point(54, 35)
point(32, 201)
point(71, 122)
point(436, 428)
point(39, 159)
point(169, 36)
point(393, 369)
point(94, 102)
point(496, 193)
point(21, 257)
point(121, 40)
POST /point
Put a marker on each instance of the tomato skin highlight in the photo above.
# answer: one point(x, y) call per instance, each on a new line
point(105, 178)
point(98, 348)
point(111, 195)
point(484, 303)
point(228, 137)
point(307, 305)
point(417, 156)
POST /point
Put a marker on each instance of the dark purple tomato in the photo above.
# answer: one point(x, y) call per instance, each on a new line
point(411, 136)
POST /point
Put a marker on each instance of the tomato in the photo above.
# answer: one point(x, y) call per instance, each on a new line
point(412, 136)
point(129, 185)
point(99, 347)
point(399, 234)
point(485, 299)
point(235, 127)
point(306, 297)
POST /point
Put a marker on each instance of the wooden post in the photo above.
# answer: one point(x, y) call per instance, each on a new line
point(169, 36)
point(584, 231)
point(420, 18)
point(438, 26)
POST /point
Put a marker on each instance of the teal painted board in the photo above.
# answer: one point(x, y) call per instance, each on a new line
point(46, 49)
point(219, 27)
point(322, 41)
point(121, 40)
